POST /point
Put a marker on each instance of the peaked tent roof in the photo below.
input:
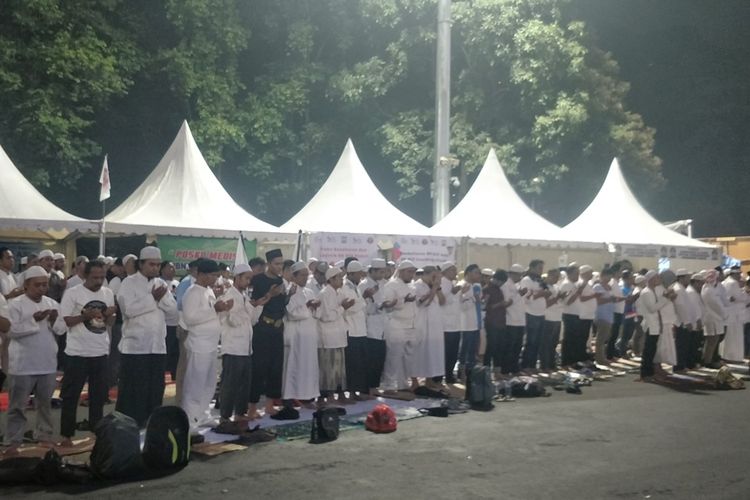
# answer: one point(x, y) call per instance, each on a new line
point(182, 196)
point(349, 202)
point(635, 226)
point(23, 207)
point(492, 193)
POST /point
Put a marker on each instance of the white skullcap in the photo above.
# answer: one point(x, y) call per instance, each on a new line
point(311, 260)
point(446, 265)
point(650, 275)
point(639, 279)
point(406, 264)
point(339, 264)
point(150, 253)
point(420, 271)
point(35, 272)
point(46, 253)
point(241, 268)
point(100, 258)
point(697, 277)
point(703, 273)
point(377, 264)
point(517, 268)
point(128, 257)
point(58, 256)
point(332, 272)
point(355, 266)
point(109, 260)
point(682, 272)
point(298, 266)
point(391, 263)
point(24, 260)
point(487, 272)
point(585, 269)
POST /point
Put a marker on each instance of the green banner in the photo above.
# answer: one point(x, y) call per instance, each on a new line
point(182, 250)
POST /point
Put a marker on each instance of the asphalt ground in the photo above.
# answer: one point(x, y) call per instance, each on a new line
point(619, 439)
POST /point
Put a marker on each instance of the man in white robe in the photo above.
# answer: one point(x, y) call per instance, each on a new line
point(451, 310)
point(372, 290)
point(733, 348)
point(333, 340)
point(428, 357)
point(400, 302)
point(356, 325)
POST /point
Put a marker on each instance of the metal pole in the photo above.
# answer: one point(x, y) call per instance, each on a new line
point(102, 231)
point(441, 173)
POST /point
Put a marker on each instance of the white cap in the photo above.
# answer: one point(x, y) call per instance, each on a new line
point(35, 272)
point(447, 265)
point(109, 260)
point(339, 264)
point(332, 272)
point(682, 272)
point(100, 258)
point(24, 260)
point(650, 275)
point(58, 256)
point(46, 253)
point(487, 272)
point(241, 268)
point(355, 266)
point(585, 269)
point(517, 268)
point(697, 277)
point(311, 260)
point(298, 266)
point(150, 253)
point(406, 264)
point(377, 264)
point(391, 263)
point(128, 257)
point(639, 279)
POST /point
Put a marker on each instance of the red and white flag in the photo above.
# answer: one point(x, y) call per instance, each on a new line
point(104, 181)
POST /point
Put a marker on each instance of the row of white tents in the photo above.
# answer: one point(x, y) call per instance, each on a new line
point(182, 196)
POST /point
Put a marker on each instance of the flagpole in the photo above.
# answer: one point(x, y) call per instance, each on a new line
point(102, 230)
point(103, 195)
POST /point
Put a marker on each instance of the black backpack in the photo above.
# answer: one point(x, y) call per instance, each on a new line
point(117, 451)
point(325, 424)
point(481, 390)
point(167, 443)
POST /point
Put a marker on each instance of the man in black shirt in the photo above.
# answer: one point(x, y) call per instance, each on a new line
point(268, 335)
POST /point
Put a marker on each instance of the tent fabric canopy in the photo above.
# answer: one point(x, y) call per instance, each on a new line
point(23, 207)
point(634, 225)
point(492, 210)
point(182, 196)
point(349, 202)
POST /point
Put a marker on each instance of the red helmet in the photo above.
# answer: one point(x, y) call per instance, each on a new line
point(381, 419)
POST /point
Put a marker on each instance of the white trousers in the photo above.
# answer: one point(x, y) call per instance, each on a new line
point(198, 386)
point(398, 352)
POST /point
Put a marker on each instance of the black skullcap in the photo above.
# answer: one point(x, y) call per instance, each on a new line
point(207, 266)
point(273, 254)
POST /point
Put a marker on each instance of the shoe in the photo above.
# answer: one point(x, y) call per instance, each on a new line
point(286, 413)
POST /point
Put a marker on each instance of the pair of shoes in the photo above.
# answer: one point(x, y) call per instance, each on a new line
point(286, 413)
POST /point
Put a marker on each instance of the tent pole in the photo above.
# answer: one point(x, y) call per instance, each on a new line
point(102, 236)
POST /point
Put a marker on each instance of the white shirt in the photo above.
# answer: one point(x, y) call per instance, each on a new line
point(355, 316)
point(554, 311)
point(374, 315)
point(199, 318)
point(74, 280)
point(668, 314)
point(569, 288)
point(652, 303)
point(468, 299)
point(535, 307)
point(315, 287)
point(88, 339)
point(33, 347)
point(515, 314)
point(403, 314)
point(714, 313)
point(7, 282)
point(331, 322)
point(695, 306)
point(587, 310)
point(451, 307)
point(237, 323)
point(682, 306)
point(736, 298)
point(617, 292)
point(114, 285)
point(144, 328)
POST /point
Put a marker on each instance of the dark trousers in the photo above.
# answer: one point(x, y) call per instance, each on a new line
point(452, 343)
point(141, 385)
point(114, 355)
point(78, 370)
point(696, 349)
point(375, 361)
point(746, 333)
point(649, 351)
point(469, 350)
point(234, 391)
point(534, 328)
point(62, 342)
point(493, 349)
point(612, 343)
point(582, 339)
point(355, 356)
point(268, 362)
point(628, 327)
point(548, 346)
point(511, 349)
point(683, 346)
point(173, 351)
point(570, 333)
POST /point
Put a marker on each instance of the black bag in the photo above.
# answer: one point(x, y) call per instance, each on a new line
point(20, 470)
point(325, 424)
point(167, 443)
point(117, 451)
point(481, 390)
point(526, 387)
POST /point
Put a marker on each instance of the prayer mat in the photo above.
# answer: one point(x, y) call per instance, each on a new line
point(83, 445)
point(213, 449)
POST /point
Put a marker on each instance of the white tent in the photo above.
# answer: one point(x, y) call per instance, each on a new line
point(349, 202)
point(615, 216)
point(183, 197)
point(27, 211)
point(492, 211)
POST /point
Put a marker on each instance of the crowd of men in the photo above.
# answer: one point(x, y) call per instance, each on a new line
point(314, 333)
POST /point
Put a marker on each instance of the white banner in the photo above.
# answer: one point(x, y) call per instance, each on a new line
point(422, 250)
point(654, 252)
